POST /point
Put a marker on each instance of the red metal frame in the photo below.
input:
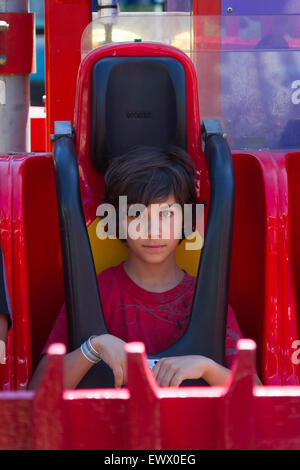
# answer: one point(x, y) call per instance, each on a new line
point(64, 25)
point(207, 7)
point(18, 43)
point(31, 246)
point(262, 289)
point(38, 129)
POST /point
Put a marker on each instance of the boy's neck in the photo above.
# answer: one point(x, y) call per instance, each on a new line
point(158, 277)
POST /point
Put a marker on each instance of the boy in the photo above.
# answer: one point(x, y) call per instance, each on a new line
point(148, 297)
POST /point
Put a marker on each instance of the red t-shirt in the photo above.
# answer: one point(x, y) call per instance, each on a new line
point(135, 314)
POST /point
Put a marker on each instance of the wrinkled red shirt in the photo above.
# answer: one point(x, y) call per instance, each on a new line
point(134, 314)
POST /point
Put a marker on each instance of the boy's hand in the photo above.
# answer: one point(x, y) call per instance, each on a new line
point(171, 371)
point(111, 350)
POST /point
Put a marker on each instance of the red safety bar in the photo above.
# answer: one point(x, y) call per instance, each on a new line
point(239, 415)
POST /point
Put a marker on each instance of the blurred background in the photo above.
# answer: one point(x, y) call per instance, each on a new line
point(37, 80)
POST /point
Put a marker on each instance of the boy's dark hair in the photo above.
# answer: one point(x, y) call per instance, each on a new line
point(149, 175)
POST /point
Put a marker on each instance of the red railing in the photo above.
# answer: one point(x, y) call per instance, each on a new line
point(239, 415)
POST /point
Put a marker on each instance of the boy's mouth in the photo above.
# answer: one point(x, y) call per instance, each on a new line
point(154, 247)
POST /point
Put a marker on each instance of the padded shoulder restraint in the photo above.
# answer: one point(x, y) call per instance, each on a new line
point(205, 334)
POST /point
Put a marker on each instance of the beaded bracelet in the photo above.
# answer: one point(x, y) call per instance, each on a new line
point(89, 352)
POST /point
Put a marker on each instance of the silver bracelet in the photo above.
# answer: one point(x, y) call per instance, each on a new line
point(89, 352)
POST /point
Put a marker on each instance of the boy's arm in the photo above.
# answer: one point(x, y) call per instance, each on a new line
point(171, 371)
point(111, 351)
point(3, 334)
point(75, 368)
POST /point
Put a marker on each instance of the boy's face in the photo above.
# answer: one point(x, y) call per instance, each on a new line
point(153, 235)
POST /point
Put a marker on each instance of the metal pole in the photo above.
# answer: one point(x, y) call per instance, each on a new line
point(108, 8)
point(14, 97)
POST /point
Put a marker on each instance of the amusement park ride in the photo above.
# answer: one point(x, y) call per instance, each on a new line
point(232, 78)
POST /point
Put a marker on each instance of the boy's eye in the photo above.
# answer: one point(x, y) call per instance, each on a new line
point(139, 215)
point(166, 214)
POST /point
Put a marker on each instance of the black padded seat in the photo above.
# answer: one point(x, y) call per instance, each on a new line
point(136, 101)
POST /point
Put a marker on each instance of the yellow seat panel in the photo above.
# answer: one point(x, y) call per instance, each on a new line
point(112, 251)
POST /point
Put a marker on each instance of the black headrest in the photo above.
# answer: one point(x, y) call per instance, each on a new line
point(136, 101)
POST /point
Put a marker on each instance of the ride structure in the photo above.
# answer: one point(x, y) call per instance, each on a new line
point(242, 70)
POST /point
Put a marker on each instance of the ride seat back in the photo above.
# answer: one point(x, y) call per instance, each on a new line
point(136, 101)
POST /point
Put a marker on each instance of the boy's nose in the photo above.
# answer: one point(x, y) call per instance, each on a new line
point(154, 226)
